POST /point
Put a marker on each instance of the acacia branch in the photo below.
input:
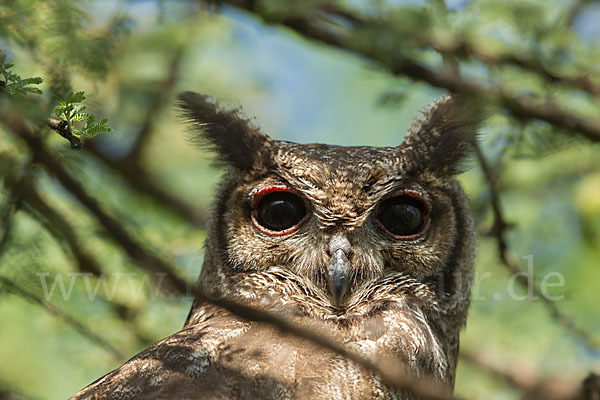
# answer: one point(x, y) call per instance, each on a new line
point(6, 224)
point(25, 197)
point(466, 49)
point(452, 47)
point(63, 129)
point(130, 166)
point(59, 227)
point(509, 260)
point(158, 103)
point(394, 374)
point(13, 203)
point(529, 382)
point(523, 108)
point(139, 178)
point(19, 291)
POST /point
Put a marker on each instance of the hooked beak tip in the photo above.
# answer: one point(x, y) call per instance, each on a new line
point(338, 279)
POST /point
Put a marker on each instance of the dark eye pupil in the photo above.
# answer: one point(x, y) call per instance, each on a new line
point(280, 211)
point(402, 215)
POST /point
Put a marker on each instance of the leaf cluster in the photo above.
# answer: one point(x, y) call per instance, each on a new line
point(13, 84)
point(80, 123)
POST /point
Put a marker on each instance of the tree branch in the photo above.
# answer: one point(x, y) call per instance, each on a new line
point(19, 291)
point(130, 166)
point(533, 386)
point(58, 226)
point(509, 260)
point(465, 49)
point(13, 203)
point(141, 181)
point(398, 64)
point(62, 128)
point(158, 103)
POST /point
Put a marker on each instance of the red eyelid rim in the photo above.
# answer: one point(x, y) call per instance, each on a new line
point(427, 220)
point(257, 197)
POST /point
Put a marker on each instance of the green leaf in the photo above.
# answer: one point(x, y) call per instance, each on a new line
point(75, 97)
point(80, 116)
point(14, 85)
point(32, 81)
point(32, 90)
point(94, 130)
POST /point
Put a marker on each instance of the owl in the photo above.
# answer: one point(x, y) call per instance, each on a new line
point(372, 247)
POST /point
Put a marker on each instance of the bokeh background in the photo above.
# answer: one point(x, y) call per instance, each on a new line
point(134, 56)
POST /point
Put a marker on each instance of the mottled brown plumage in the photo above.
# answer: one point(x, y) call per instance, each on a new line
point(339, 269)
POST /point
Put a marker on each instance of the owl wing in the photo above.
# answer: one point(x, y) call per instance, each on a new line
point(202, 361)
point(226, 358)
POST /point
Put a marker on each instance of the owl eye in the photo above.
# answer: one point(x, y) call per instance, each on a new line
point(278, 210)
point(404, 217)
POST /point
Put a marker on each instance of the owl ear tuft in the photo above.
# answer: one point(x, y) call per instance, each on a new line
point(441, 136)
point(226, 131)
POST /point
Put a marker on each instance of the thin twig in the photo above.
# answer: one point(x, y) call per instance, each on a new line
point(16, 289)
point(13, 203)
point(575, 10)
point(158, 103)
point(139, 179)
point(509, 260)
point(463, 49)
point(55, 223)
point(63, 129)
point(529, 382)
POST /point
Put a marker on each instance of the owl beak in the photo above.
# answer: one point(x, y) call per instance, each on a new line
point(338, 281)
point(338, 270)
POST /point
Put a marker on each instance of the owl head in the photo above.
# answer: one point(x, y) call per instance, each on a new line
point(342, 219)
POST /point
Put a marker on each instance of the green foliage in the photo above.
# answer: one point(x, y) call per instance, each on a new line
point(13, 84)
point(72, 111)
